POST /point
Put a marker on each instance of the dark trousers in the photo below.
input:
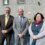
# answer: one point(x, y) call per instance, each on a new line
point(3, 37)
point(27, 40)
point(34, 42)
point(12, 39)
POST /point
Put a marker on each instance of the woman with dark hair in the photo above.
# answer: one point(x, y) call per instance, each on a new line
point(37, 30)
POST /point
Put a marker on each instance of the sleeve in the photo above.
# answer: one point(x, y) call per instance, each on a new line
point(14, 27)
point(41, 34)
point(26, 28)
point(30, 31)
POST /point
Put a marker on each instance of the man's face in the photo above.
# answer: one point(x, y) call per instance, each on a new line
point(7, 11)
point(20, 12)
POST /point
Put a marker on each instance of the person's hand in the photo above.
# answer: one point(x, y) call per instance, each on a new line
point(4, 31)
point(20, 35)
point(34, 37)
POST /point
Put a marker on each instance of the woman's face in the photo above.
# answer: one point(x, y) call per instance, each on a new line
point(38, 18)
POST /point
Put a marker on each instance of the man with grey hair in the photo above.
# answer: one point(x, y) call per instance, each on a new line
point(20, 26)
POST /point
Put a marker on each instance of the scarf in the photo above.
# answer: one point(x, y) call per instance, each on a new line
point(36, 29)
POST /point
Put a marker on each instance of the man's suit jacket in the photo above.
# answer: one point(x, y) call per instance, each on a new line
point(20, 28)
point(9, 23)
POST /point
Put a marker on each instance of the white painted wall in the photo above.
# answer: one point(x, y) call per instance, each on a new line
point(30, 5)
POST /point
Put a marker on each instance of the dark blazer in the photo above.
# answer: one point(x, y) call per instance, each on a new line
point(9, 24)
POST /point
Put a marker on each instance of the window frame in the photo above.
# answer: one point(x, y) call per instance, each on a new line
point(19, 2)
point(5, 3)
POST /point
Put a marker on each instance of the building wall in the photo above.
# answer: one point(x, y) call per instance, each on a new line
point(30, 5)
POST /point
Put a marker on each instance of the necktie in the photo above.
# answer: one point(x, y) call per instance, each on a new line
point(21, 20)
point(6, 20)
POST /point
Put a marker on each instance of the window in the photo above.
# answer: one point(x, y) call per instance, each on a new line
point(5, 2)
point(20, 1)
